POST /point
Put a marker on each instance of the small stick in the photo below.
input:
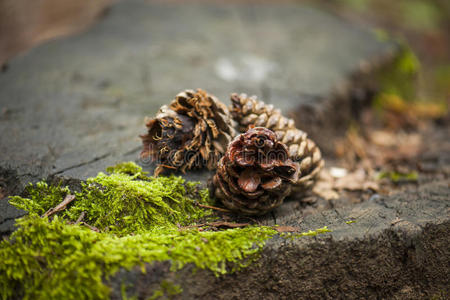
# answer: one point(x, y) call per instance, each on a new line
point(215, 208)
point(90, 227)
point(80, 218)
point(192, 226)
point(61, 206)
point(227, 224)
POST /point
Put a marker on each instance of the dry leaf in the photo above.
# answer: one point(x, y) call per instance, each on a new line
point(357, 180)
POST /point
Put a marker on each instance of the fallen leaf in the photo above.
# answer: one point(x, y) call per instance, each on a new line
point(357, 180)
point(324, 186)
point(383, 138)
point(338, 172)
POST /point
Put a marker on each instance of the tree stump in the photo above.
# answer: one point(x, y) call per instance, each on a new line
point(74, 106)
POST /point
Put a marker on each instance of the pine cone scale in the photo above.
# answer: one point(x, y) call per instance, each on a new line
point(272, 184)
point(249, 181)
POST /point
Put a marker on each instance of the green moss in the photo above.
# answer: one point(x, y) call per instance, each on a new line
point(381, 34)
point(140, 221)
point(41, 197)
point(167, 289)
point(123, 293)
point(399, 79)
point(397, 177)
point(138, 218)
point(129, 168)
point(53, 260)
point(123, 204)
point(350, 222)
point(307, 233)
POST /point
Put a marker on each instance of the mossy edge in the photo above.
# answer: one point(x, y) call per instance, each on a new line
point(53, 258)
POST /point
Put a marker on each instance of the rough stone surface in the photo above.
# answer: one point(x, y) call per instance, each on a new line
point(397, 248)
point(71, 107)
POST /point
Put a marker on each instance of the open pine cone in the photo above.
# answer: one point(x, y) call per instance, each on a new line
point(249, 111)
point(192, 132)
point(256, 173)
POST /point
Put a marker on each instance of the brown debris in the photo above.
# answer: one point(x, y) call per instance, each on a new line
point(356, 180)
point(402, 114)
point(380, 149)
point(330, 187)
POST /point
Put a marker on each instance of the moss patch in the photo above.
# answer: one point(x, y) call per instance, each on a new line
point(123, 202)
point(399, 79)
point(53, 260)
point(397, 177)
point(138, 219)
point(307, 233)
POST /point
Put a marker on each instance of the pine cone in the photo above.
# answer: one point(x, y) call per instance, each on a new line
point(256, 174)
point(249, 111)
point(192, 132)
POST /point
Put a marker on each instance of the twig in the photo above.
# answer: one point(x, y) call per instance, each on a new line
point(217, 224)
point(215, 208)
point(228, 224)
point(80, 218)
point(192, 226)
point(90, 227)
point(61, 206)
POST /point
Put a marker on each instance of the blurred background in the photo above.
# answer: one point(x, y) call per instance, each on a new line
point(414, 93)
point(423, 26)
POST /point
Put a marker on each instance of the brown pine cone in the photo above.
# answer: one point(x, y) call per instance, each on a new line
point(256, 173)
point(192, 132)
point(249, 111)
